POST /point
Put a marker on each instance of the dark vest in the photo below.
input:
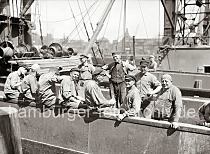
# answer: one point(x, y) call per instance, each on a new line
point(117, 73)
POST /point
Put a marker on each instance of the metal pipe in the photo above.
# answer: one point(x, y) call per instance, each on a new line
point(167, 13)
point(134, 52)
point(183, 32)
point(25, 9)
point(99, 27)
point(124, 27)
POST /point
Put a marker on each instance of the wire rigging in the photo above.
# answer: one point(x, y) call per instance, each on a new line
point(91, 25)
point(83, 21)
point(17, 7)
point(118, 32)
point(75, 21)
point(143, 18)
point(106, 27)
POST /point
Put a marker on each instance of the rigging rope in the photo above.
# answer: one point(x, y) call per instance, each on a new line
point(118, 32)
point(8, 21)
point(83, 21)
point(91, 25)
point(75, 21)
point(17, 7)
point(159, 25)
point(106, 27)
point(143, 18)
point(13, 12)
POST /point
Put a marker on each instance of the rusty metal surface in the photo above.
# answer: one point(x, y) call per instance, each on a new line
point(34, 147)
point(57, 131)
point(186, 59)
point(186, 80)
point(130, 138)
point(107, 136)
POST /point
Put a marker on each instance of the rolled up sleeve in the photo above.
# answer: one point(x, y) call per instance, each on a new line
point(177, 96)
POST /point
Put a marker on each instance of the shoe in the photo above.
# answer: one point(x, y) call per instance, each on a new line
point(120, 117)
point(93, 109)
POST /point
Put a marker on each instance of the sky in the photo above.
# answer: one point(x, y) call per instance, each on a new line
point(144, 18)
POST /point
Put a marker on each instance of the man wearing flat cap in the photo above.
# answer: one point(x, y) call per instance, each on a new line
point(93, 93)
point(148, 85)
point(168, 102)
point(204, 114)
point(86, 71)
point(12, 88)
point(132, 102)
point(68, 93)
point(29, 85)
point(152, 63)
point(86, 68)
point(117, 70)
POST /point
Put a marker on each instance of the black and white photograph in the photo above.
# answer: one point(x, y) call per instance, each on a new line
point(104, 76)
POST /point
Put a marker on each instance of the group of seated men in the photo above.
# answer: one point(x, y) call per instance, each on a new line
point(136, 92)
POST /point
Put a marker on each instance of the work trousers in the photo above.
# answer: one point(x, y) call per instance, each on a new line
point(147, 107)
point(118, 91)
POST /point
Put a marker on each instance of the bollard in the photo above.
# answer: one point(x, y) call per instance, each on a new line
point(198, 84)
point(10, 139)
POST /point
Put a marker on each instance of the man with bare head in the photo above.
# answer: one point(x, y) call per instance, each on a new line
point(168, 103)
point(117, 71)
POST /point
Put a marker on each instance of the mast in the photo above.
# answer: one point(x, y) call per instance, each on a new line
point(169, 20)
point(99, 27)
point(124, 28)
point(206, 25)
point(26, 7)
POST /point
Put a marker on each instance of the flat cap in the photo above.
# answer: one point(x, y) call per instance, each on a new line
point(83, 56)
point(55, 69)
point(24, 66)
point(75, 69)
point(116, 53)
point(130, 77)
point(144, 63)
point(151, 56)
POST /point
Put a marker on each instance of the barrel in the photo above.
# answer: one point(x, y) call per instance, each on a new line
point(10, 139)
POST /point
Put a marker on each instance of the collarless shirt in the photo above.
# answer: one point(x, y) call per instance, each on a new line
point(86, 71)
point(29, 86)
point(12, 79)
point(133, 100)
point(47, 89)
point(169, 102)
point(146, 82)
point(93, 94)
point(68, 88)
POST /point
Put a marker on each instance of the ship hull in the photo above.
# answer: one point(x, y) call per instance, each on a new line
point(100, 133)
